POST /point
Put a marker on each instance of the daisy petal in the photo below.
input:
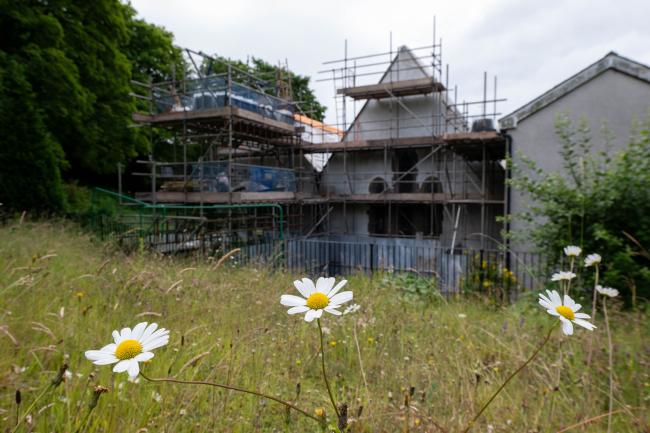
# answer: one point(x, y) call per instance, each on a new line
point(545, 304)
point(122, 366)
point(159, 333)
point(125, 334)
point(106, 361)
point(134, 368)
point(156, 343)
point(568, 301)
point(298, 309)
point(148, 331)
point(324, 285)
point(333, 310)
point(336, 288)
point(313, 314)
point(584, 324)
point(300, 286)
point(292, 301)
point(341, 298)
point(138, 330)
point(582, 315)
point(116, 337)
point(109, 348)
point(144, 356)
point(309, 285)
point(99, 357)
point(553, 312)
point(555, 298)
point(567, 327)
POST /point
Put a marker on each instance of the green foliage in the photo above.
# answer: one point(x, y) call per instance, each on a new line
point(62, 294)
point(65, 92)
point(604, 197)
point(151, 50)
point(412, 286)
point(488, 275)
point(30, 158)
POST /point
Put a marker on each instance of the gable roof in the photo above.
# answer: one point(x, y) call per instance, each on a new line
point(404, 54)
point(611, 61)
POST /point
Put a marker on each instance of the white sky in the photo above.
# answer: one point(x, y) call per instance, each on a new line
point(529, 45)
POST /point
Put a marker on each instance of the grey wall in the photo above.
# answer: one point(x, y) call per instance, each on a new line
point(612, 97)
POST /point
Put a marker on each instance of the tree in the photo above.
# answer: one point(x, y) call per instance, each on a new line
point(604, 198)
point(69, 65)
point(30, 158)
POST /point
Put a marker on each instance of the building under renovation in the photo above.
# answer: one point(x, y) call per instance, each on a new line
point(408, 179)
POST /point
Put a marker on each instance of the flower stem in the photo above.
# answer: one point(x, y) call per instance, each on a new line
point(611, 366)
point(53, 384)
point(31, 406)
point(322, 358)
point(593, 318)
point(503, 385)
point(593, 307)
point(232, 388)
point(567, 287)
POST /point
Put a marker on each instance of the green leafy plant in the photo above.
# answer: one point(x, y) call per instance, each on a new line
point(412, 285)
point(604, 196)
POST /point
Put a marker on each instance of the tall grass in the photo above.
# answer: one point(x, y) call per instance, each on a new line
point(401, 363)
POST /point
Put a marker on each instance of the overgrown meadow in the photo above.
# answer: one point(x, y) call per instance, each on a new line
point(401, 363)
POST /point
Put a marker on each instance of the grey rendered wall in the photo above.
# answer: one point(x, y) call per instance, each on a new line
point(612, 97)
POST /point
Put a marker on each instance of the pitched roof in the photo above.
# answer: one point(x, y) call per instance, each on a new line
point(611, 61)
point(404, 54)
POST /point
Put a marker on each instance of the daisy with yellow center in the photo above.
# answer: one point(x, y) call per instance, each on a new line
point(566, 310)
point(572, 251)
point(607, 291)
point(563, 276)
point(323, 296)
point(130, 347)
point(592, 260)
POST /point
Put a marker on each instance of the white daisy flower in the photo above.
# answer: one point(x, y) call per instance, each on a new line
point(130, 348)
point(567, 311)
point(607, 291)
point(592, 260)
point(572, 251)
point(317, 298)
point(563, 275)
point(352, 309)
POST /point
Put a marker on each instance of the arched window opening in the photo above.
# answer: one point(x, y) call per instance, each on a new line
point(377, 186)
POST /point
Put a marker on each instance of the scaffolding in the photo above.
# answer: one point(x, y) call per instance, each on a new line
point(239, 138)
point(406, 158)
point(414, 161)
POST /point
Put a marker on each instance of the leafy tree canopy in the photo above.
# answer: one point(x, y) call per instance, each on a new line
point(66, 71)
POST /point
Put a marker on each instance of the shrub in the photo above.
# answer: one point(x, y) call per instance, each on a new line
point(604, 197)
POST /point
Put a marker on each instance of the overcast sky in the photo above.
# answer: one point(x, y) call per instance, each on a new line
point(529, 45)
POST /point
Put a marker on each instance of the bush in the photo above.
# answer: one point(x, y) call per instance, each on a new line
point(604, 198)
